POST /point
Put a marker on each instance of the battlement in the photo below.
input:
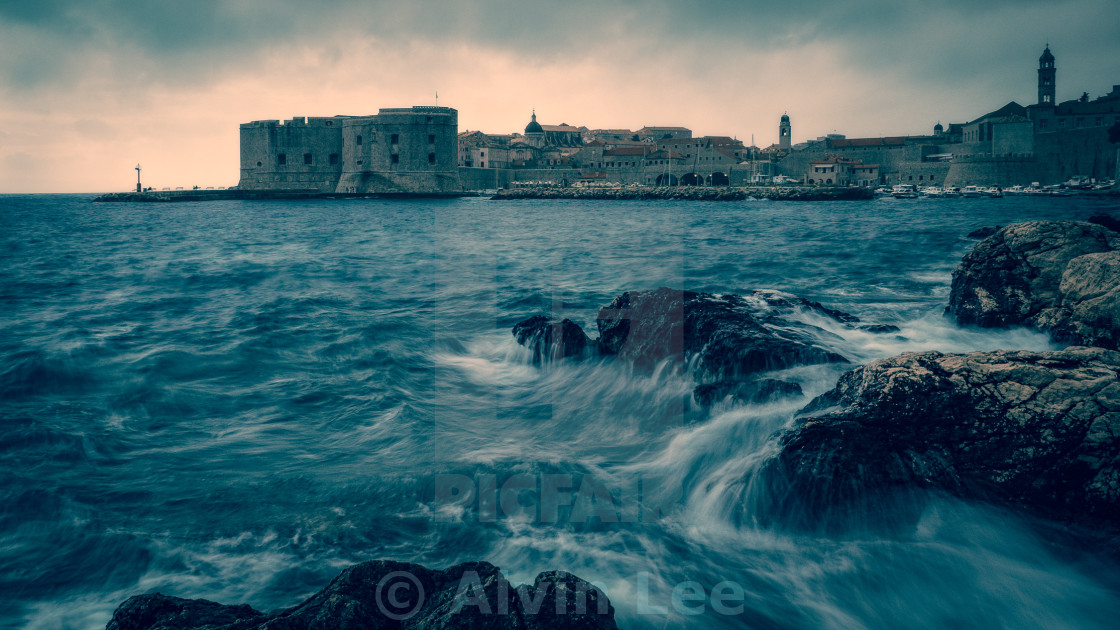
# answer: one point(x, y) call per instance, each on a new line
point(418, 109)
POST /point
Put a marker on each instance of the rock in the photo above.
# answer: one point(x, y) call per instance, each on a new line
point(1016, 277)
point(762, 390)
point(721, 338)
point(549, 339)
point(162, 612)
point(1039, 430)
point(879, 328)
point(1106, 220)
point(386, 594)
point(985, 231)
point(1089, 311)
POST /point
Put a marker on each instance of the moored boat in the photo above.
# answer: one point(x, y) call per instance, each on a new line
point(905, 191)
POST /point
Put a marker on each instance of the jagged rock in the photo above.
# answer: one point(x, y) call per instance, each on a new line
point(760, 390)
point(985, 231)
point(1034, 429)
point(1089, 309)
point(549, 339)
point(1026, 274)
point(468, 596)
point(722, 338)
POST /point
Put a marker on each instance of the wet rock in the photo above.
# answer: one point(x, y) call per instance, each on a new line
point(386, 594)
point(549, 339)
point(1038, 430)
point(879, 328)
point(985, 231)
point(1106, 220)
point(762, 390)
point(720, 337)
point(1016, 277)
point(1089, 310)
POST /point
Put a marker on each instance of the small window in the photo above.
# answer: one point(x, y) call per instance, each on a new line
point(359, 161)
point(334, 159)
point(258, 163)
point(396, 159)
point(306, 158)
point(329, 123)
point(431, 158)
point(431, 138)
point(282, 159)
point(358, 141)
point(394, 139)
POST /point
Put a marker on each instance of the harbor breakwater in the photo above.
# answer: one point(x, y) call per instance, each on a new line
point(690, 193)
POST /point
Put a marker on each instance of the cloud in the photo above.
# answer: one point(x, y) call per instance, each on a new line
point(157, 81)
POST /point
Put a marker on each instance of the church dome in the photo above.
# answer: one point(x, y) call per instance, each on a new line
point(1046, 56)
point(785, 118)
point(938, 129)
point(534, 126)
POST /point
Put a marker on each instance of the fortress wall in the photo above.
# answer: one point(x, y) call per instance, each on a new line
point(988, 171)
point(1086, 152)
point(473, 178)
point(919, 174)
point(300, 154)
point(409, 150)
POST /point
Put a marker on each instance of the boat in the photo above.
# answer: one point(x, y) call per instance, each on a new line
point(905, 191)
point(991, 191)
point(971, 192)
point(933, 191)
point(1015, 190)
point(952, 191)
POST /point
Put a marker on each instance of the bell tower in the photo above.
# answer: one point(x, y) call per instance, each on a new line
point(1046, 72)
point(784, 131)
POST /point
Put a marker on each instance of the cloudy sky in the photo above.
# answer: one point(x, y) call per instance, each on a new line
point(88, 88)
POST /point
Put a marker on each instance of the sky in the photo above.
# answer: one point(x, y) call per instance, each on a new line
point(90, 88)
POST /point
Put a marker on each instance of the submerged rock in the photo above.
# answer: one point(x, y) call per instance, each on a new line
point(549, 339)
point(1058, 276)
point(386, 594)
point(762, 390)
point(985, 231)
point(1039, 430)
point(721, 337)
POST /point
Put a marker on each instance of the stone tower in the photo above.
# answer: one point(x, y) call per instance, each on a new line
point(784, 138)
point(1046, 74)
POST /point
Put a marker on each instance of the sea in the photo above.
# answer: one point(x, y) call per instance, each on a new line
point(235, 400)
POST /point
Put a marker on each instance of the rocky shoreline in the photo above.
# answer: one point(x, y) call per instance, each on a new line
point(1038, 431)
point(689, 193)
point(387, 594)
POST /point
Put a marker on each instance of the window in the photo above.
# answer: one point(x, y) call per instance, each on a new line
point(329, 123)
point(431, 138)
point(282, 159)
point(1042, 124)
point(396, 159)
point(394, 139)
point(334, 159)
point(307, 158)
point(431, 158)
point(359, 161)
point(258, 163)
point(358, 141)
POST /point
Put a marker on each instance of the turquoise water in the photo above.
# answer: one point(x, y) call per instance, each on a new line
point(234, 400)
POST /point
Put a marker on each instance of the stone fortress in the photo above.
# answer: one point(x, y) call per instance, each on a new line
point(419, 150)
point(399, 150)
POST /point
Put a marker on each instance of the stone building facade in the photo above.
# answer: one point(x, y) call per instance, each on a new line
point(398, 150)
